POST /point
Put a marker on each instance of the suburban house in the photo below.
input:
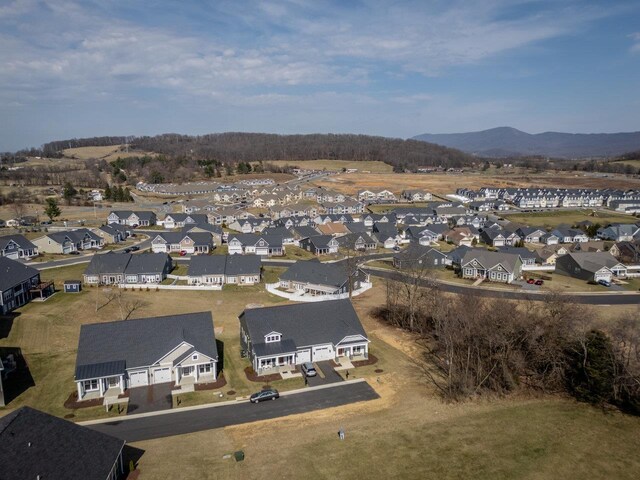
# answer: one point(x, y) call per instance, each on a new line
point(112, 233)
point(332, 217)
point(416, 196)
point(465, 235)
point(531, 234)
point(288, 335)
point(249, 225)
point(370, 218)
point(288, 237)
point(420, 257)
point(549, 239)
point(357, 241)
point(17, 246)
point(347, 206)
point(117, 268)
point(179, 220)
point(619, 232)
point(215, 231)
point(626, 252)
point(527, 256)
point(249, 243)
point(315, 278)
point(381, 195)
point(333, 228)
point(68, 241)
point(36, 445)
point(18, 284)
point(493, 266)
point(224, 269)
point(115, 356)
point(494, 237)
point(386, 234)
point(320, 244)
point(590, 266)
point(139, 218)
point(176, 242)
point(549, 254)
point(304, 231)
point(291, 222)
point(570, 235)
point(428, 234)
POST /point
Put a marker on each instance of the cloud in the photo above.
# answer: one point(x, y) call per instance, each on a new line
point(635, 48)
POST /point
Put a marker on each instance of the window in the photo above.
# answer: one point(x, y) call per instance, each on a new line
point(194, 356)
point(272, 338)
point(114, 381)
point(206, 368)
point(186, 371)
point(90, 385)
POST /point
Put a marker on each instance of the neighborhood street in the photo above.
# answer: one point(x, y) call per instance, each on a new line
point(178, 423)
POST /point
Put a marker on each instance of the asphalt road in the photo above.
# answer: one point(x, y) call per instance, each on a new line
point(589, 299)
point(178, 423)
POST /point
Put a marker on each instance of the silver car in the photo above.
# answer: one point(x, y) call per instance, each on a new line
point(308, 369)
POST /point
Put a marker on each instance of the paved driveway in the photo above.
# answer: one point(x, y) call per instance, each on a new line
point(330, 375)
point(150, 399)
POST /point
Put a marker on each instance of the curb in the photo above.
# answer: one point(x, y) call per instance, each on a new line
point(212, 405)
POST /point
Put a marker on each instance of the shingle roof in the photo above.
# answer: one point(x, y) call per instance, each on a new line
point(207, 265)
point(13, 272)
point(490, 259)
point(304, 324)
point(312, 271)
point(19, 239)
point(143, 341)
point(39, 445)
point(109, 262)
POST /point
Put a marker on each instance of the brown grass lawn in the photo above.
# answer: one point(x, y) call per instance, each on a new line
point(442, 183)
point(364, 166)
point(552, 219)
point(409, 433)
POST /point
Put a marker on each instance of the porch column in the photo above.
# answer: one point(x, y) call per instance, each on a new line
point(214, 368)
point(80, 392)
point(101, 383)
point(177, 376)
point(121, 384)
point(196, 367)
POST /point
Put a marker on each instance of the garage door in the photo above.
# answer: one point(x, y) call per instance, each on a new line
point(162, 375)
point(322, 353)
point(12, 255)
point(303, 356)
point(138, 379)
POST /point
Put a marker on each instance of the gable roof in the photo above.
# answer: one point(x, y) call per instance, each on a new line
point(491, 259)
point(141, 342)
point(13, 272)
point(312, 271)
point(303, 324)
point(121, 263)
point(21, 240)
point(38, 445)
point(320, 241)
point(593, 261)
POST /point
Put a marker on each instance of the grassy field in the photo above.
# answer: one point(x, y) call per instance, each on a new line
point(409, 433)
point(552, 219)
point(108, 153)
point(363, 167)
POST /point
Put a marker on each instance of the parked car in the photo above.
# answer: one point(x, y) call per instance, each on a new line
point(269, 394)
point(127, 250)
point(75, 252)
point(604, 283)
point(539, 282)
point(135, 248)
point(182, 253)
point(531, 281)
point(308, 369)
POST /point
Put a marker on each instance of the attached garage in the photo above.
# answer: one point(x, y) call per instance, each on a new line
point(138, 379)
point(12, 255)
point(303, 356)
point(162, 375)
point(324, 352)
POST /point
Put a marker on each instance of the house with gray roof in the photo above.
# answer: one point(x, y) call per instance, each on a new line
point(590, 266)
point(16, 247)
point(252, 244)
point(69, 241)
point(417, 256)
point(16, 282)
point(220, 270)
point(569, 235)
point(215, 231)
point(620, 232)
point(115, 356)
point(194, 243)
point(315, 278)
point(249, 225)
point(320, 244)
point(138, 218)
point(179, 220)
point(386, 234)
point(493, 266)
point(36, 445)
point(283, 336)
point(113, 233)
point(120, 268)
point(357, 242)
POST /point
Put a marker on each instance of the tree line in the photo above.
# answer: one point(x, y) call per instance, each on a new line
point(477, 346)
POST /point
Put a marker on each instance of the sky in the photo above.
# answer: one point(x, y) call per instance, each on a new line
point(72, 69)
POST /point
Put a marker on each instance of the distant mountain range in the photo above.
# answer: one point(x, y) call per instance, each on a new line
point(507, 141)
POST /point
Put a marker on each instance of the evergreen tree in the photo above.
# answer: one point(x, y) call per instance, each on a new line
point(52, 210)
point(68, 192)
point(107, 192)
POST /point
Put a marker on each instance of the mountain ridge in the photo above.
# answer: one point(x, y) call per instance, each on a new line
point(509, 141)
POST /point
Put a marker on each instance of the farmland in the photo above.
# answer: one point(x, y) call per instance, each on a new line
point(362, 166)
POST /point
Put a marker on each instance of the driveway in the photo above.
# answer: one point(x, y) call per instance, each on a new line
point(330, 375)
point(179, 422)
point(150, 399)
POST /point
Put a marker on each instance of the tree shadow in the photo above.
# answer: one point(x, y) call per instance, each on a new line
point(6, 323)
point(130, 457)
point(16, 377)
point(220, 347)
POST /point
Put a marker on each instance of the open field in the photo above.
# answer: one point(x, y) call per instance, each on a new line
point(633, 163)
point(444, 183)
point(553, 218)
point(364, 166)
point(409, 433)
point(108, 153)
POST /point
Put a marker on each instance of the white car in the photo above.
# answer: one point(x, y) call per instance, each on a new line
point(308, 369)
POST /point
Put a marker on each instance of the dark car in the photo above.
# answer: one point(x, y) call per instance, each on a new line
point(75, 252)
point(127, 250)
point(604, 283)
point(135, 248)
point(539, 282)
point(531, 281)
point(269, 394)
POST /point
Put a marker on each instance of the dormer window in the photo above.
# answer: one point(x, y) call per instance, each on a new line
point(273, 337)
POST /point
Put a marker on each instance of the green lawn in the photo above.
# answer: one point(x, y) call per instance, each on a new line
point(552, 219)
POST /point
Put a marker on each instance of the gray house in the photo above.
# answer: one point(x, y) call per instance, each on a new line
point(315, 278)
point(493, 266)
point(69, 241)
point(357, 241)
point(320, 244)
point(17, 246)
point(590, 266)
point(115, 356)
point(36, 445)
point(418, 257)
point(115, 268)
point(224, 269)
point(138, 218)
point(284, 336)
point(16, 282)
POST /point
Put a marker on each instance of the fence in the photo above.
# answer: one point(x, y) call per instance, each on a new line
point(302, 297)
point(151, 287)
point(538, 268)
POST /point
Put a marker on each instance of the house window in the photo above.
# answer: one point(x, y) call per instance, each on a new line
point(272, 338)
point(91, 385)
point(206, 368)
point(187, 371)
point(114, 382)
point(194, 356)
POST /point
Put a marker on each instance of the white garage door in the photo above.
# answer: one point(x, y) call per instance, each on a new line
point(322, 353)
point(138, 379)
point(12, 255)
point(303, 356)
point(162, 375)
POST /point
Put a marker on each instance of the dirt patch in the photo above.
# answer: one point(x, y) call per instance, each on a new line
point(219, 383)
point(369, 361)
point(252, 376)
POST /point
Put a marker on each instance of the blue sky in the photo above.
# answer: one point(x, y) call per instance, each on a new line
point(109, 67)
